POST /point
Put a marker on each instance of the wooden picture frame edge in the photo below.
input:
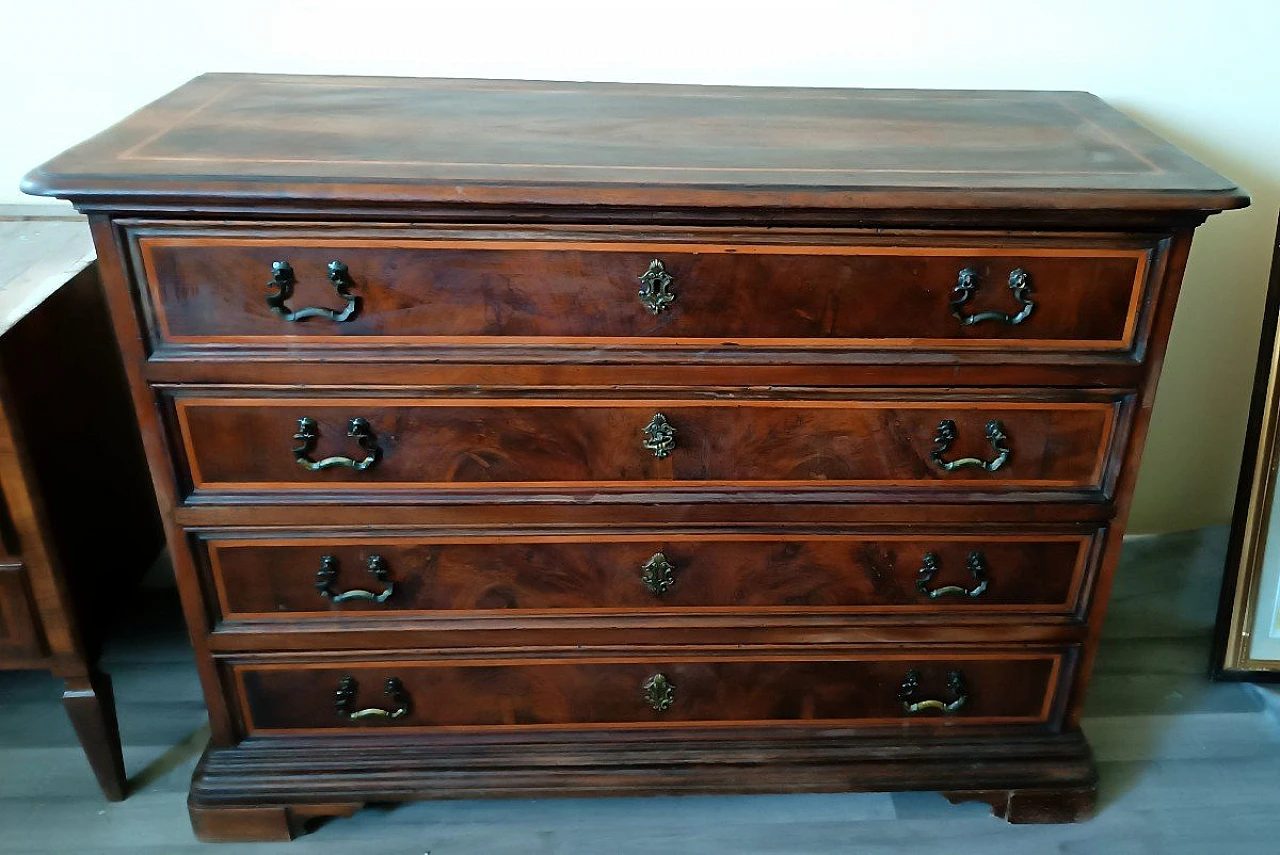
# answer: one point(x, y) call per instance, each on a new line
point(1255, 494)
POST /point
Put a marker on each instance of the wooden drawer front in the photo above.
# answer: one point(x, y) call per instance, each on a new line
point(996, 686)
point(246, 444)
point(18, 635)
point(328, 577)
point(209, 289)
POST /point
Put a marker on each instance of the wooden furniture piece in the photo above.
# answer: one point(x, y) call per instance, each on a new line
point(571, 439)
point(78, 523)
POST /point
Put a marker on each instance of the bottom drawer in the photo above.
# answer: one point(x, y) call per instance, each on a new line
point(18, 636)
point(862, 687)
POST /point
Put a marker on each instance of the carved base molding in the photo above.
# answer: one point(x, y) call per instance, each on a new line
point(274, 789)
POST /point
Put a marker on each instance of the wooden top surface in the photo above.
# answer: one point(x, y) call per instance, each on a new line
point(400, 140)
point(37, 257)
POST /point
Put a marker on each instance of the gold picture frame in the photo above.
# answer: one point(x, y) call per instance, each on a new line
point(1246, 648)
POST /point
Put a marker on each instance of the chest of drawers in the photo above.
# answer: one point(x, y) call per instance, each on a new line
point(529, 439)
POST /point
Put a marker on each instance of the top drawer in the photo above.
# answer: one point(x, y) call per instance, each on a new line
point(358, 287)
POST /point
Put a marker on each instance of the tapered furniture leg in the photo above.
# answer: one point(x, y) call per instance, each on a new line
point(91, 706)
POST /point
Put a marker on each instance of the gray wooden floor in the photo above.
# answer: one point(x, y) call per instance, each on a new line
point(1187, 766)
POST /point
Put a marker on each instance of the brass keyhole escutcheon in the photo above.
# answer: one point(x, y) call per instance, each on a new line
point(658, 575)
point(659, 436)
point(655, 288)
point(659, 693)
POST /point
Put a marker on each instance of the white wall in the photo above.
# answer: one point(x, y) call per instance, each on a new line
point(1205, 74)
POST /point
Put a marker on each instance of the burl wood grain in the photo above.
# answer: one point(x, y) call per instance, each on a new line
point(211, 289)
point(856, 573)
point(1002, 686)
point(242, 443)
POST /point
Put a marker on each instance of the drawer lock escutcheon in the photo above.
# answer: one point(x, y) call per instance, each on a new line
point(911, 687)
point(655, 288)
point(308, 434)
point(345, 701)
point(328, 573)
point(658, 574)
point(967, 284)
point(659, 436)
point(929, 567)
point(659, 693)
point(946, 436)
point(283, 280)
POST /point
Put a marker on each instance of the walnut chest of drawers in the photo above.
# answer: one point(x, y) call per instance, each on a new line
point(526, 439)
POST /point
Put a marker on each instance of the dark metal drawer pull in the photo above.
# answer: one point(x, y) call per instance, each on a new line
point(658, 575)
point(911, 685)
point(659, 693)
point(659, 436)
point(328, 572)
point(929, 568)
point(655, 288)
point(283, 280)
point(345, 700)
point(309, 432)
point(946, 435)
point(967, 283)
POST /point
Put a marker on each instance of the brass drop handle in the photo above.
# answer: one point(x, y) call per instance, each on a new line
point(976, 564)
point(328, 572)
point(345, 701)
point(659, 693)
point(655, 288)
point(659, 436)
point(946, 435)
point(657, 574)
point(967, 284)
point(911, 686)
point(309, 432)
point(283, 280)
